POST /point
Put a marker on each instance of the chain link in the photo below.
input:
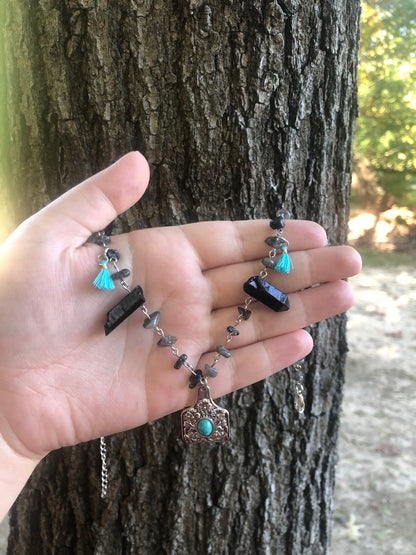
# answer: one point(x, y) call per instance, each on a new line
point(104, 468)
point(189, 367)
point(143, 308)
point(299, 388)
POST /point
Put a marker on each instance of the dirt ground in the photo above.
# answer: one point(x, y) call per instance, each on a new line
point(375, 502)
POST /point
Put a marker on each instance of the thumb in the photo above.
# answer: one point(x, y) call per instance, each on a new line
point(94, 203)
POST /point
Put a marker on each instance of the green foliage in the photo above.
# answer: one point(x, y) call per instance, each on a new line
point(376, 258)
point(386, 129)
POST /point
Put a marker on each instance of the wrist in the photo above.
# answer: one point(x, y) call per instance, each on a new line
point(15, 470)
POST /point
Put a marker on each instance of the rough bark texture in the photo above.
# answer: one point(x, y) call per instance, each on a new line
point(240, 107)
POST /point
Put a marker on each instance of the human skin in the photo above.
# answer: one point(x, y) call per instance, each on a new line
point(62, 381)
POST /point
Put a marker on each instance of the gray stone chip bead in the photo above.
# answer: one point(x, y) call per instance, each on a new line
point(152, 321)
point(268, 262)
point(221, 350)
point(167, 341)
point(210, 371)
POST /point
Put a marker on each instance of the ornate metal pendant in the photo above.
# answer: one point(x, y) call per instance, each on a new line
point(205, 422)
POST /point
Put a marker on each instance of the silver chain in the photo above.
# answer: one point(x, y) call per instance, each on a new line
point(299, 388)
point(104, 468)
point(299, 401)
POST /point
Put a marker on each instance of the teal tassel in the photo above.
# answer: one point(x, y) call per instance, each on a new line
point(103, 281)
point(285, 264)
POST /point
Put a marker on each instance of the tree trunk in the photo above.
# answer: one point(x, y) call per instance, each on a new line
point(240, 108)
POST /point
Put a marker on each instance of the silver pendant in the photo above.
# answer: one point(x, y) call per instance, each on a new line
point(205, 421)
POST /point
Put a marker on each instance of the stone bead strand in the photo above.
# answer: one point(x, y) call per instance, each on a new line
point(222, 351)
point(151, 320)
point(276, 241)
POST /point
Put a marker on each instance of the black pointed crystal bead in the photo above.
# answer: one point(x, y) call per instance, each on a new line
point(277, 223)
point(167, 341)
point(244, 313)
point(123, 309)
point(195, 379)
point(267, 294)
point(231, 330)
point(122, 274)
point(180, 361)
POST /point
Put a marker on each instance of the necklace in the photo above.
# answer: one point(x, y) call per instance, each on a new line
point(204, 421)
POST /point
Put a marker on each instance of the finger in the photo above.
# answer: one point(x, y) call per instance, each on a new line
point(220, 243)
point(94, 204)
point(256, 362)
point(310, 268)
point(306, 307)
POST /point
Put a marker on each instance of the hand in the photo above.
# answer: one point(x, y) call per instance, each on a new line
point(62, 381)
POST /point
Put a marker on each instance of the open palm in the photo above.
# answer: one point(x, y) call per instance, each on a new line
point(63, 381)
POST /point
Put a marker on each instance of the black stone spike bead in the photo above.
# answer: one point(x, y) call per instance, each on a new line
point(123, 309)
point(113, 255)
point(231, 330)
point(267, 294)
point(180, 361)
point(195, 379)
point(277, 223)
point(122, 274)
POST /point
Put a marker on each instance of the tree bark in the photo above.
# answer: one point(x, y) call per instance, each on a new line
point(240, 108)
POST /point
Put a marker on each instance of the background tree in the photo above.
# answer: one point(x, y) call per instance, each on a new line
point(240, 107)
point(386, 130)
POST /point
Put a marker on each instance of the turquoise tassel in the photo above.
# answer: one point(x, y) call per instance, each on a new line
point(103, 281)
point(285, 263)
